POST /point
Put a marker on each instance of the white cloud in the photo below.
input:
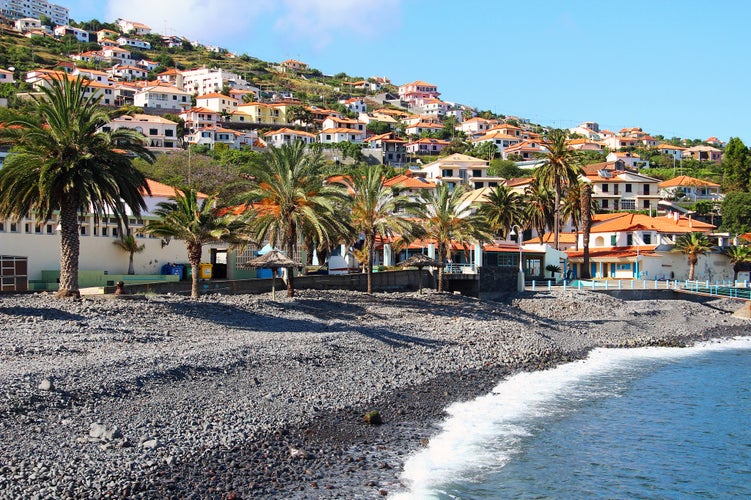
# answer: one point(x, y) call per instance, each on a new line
point(210, 22)
point(223, 22)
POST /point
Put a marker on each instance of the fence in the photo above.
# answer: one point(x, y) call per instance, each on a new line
point(725, 288)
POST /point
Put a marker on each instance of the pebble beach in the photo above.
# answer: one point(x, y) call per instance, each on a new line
point(244, 397)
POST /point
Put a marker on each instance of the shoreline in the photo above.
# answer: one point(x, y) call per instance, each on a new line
point(269, 399)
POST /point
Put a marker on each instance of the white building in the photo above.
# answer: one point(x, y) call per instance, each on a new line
point(162, 97)
point(6, 76)
point(132, 42)
point(160, 133)
point(458, 169)
point(27, 24)
point(81, 35)
point(17, 9)
point(217, 102)
point(288, 136)
point(133, 27)
point(206, 81)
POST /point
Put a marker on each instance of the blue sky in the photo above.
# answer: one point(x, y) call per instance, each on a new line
point(672, 68)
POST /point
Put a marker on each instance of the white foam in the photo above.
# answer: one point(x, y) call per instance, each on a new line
point(460, 452)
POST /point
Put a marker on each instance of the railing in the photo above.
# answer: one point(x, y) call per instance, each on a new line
point(453, 268)
point(724, 288)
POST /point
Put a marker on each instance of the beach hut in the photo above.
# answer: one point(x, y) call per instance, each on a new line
point(273, 259)
point(419, 261)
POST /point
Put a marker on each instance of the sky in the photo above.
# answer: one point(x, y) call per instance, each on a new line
point(679, 69)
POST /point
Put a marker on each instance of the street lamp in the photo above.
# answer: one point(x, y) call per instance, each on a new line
point(520, 239)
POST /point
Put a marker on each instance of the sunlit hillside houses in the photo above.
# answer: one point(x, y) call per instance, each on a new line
point(703, 153)
point(160, 133)
point(17, 9)
point(282, 136)
point(162, 97)
point(615, 188)
point(689, 188)
point(133, 27)
point(458, 169)
point(418, 90)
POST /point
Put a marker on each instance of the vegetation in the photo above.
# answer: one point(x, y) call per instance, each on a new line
point(129, 244)
point(693, 245)
point(61, 163)
point(560, 170)
point(738, 255)
point(502, 210)
point(196, 223)
point(290, 199)
point(374, 208)
point(736, 212)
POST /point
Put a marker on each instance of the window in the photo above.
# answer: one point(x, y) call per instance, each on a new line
point(613, 240)
point(27, 227)
point(605, 188)
point(13, 227)
point(646, 188)
point(629, 239)
point(50, 229)
point(153, 131)
point(646, 204)
point(447, 172)
point(169, 133)
point(647, 238)
point(83, 230)
point(627, 188)
point(476, 172)
point(628, 205)
point(605, 204)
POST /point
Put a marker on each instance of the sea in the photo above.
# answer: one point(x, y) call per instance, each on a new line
point(623, 423)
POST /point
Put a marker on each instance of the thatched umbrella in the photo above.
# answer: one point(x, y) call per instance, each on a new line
point(419, 261)
point(273, 259)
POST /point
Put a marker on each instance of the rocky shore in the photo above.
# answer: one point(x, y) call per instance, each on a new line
point(240, 397)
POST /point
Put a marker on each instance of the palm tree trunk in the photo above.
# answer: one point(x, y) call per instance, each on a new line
point(441, 259)
point(371, 253)
point(586, 213)
point(557, 222)
point(290, 271)
point(69, 248)
point(131, 269)
point(194, 257)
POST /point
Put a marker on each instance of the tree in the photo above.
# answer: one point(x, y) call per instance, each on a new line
point(446, 221)
point(299, 113)
point(538, 200)
point(61, 162)
point(502, 210)
point(373, 208)
point(378, 128)
point(506, 169)
point(560, 169)
point(738, 255)
point(196, 223)
point(736, 212)
point(586, 215)
point(290, 198)
point(693, 245)
point(736, 166)
point(130, 245)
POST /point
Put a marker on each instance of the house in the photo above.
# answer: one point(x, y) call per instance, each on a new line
point(93, 75)
point(260, 113)
point(105, 34)
point(6, 76)
point(26, 24)
point(392, 149)
point(432, 107)
point(172, 41)
point(147, 65)
point(410, 185)
point(703, 153)
point(162, 97)
point(354, 104)
point(160, 133)
point(82, 36)
point(427, 146)
point(668, 149)
point(418, 90)
point(474, 127)
point(90, 56)
point(423, 127)
point(584, 145)
point(132, 42)
point(291, 64)
point(213, 135)
point(526, 150)
point(588, 130)
point(631, 160)
point(217, 102)
point(340, 134)
point(499, 139)
point(117, 55)
point(205, 80)
point(715, 141)
point(336, 122)
point(133, 27)
point(98, 90)
point(686, 187)
point(458, 169)
point(512, 130)
point(637, 246)
point(616, 190)
point(616, 142)
point(375, 117)
point(197, 118)
point(129, 73)
point(288, 136)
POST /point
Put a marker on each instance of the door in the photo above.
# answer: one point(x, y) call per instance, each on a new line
point(219, 264)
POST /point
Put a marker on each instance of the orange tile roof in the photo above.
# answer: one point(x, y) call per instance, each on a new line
point(409, 182)
point(640, 222)
point(213, 95)
point(428, 140)
point(613, 252)
point(340, 130)
point(566, 238)
point(685, 180)
point(163, 190)
point(288, 131)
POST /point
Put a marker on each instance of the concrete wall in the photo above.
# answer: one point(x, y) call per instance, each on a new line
point(497, 281)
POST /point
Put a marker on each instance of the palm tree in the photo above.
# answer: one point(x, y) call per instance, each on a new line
point(586, 215)
point(502, 210)
point(445, 221)
point(538, 207)
point(290, 199)
point(373, 208)
point(196, 223)
point(560, 169)
point(62, 163)
point(130, 245)
point(738, 255)
point(693, 245)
